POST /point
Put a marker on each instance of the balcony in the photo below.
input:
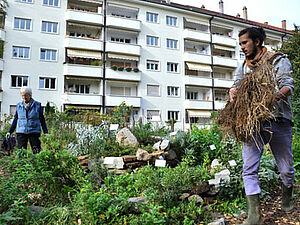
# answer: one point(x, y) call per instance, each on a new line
point(82, 70)
point(129, 49)
point(196, 35)
point(81, 99)
point(223, 61)
point(198, 81)
point(198, 104)
point(223, 40)
point(123, 75)
point(2, 35)
point(220, 104)
point(84, 17)
point(1, 64)
point(223, 83)
point(125, 23)
point(117, 100)
point(197, 58)
point(1, 95)
point(83, 43)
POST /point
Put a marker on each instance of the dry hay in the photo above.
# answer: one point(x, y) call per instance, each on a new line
point(253, 104)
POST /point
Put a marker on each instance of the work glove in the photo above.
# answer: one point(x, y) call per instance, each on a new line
point(7, 135)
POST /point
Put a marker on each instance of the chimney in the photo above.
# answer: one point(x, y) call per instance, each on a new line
point(245, 14)
point(221, 6)
point(283, 24)
point(238, 15)
point(168, 1)
point(266, 23)
point(202, 6)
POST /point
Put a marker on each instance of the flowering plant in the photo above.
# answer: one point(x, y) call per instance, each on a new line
point(121, 68)
point(114, 67)
point(135, 69)
point(128, 68)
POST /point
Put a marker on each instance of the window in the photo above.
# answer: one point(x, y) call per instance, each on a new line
point(152, 65)
point(153, 115)
point(172, 21)
point(173, 91)
point(22, 24)
point(49, 27)
point(173, 44)
point(152, 90)
point(51, 2)
point(121, 40)
point(19, 81)
point(47, 83)
point(192, 95)
point(20, 52)
point(29, 1)
point(152, 17)
point(12, 109)
point(48, 55)
point(152, 41)
point(172, 67)
point(121, 91)
point(173, 115)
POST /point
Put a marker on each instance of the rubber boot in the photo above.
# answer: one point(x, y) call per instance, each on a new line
point(254, 213)
point(287, 204)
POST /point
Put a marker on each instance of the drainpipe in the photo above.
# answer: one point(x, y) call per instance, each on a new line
point(212, 63)
point(103, 109)
point(282, 39)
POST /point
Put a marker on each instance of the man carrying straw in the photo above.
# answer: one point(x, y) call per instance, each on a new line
point(274, 124)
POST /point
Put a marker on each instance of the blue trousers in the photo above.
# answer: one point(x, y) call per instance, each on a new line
point(280, 141)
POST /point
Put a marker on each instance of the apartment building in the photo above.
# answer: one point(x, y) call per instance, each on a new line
point(168, 61)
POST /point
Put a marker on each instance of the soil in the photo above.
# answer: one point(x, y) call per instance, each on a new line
point(272, 213)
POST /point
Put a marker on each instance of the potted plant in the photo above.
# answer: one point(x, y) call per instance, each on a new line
point(135, 69)
point(121, 68)
point(114, 67)
point(128, 68)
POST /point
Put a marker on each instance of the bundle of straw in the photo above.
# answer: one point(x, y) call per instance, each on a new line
point(252, 105)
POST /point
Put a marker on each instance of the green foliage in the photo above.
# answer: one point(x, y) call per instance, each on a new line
point(121, 115)
point(5, 124)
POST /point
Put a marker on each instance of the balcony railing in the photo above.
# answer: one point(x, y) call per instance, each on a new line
point(125, 23)
point(219, 104)
point(112, 100)
point(224, 40)
point(198, 104)
point(123, 48)
point(196, 35)
point(123, 75)
point(83, 70)
point(224, 83)
point(83, 43)
point(224, 61)
point(84, 16)
point(81, 99)
point(198, 81)
point(197, 58)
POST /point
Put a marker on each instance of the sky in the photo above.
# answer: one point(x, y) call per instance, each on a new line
point(271, 11)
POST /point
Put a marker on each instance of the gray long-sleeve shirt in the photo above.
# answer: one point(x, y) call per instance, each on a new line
point(282, 70)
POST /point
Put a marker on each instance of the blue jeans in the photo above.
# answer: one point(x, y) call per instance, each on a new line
point(280, 141)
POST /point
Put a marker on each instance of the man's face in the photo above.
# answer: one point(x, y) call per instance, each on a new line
point(26, 97)
point(249, 48)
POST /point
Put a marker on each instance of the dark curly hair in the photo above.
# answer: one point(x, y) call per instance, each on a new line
point(255, 33)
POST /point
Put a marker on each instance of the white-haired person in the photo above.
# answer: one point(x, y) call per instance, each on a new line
point(28, 121)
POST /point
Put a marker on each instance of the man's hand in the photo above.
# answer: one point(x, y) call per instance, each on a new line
point(283, 93)
point(232, 92)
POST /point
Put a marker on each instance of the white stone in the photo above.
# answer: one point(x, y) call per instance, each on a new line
point(212, 147)
point(114, 127)
point(114, 162)
point(125, 137)
point(218, 222)
point(164, 144)
point(157, 145)
point(160, 163)
point(223, 175)
point(214, 182)
point(215, 164)
point(232, 163)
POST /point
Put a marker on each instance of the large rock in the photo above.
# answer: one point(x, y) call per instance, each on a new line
point(114, 162)
point(126, 138)
point(142, 155)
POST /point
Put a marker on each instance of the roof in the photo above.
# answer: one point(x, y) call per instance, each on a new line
point(218, 14)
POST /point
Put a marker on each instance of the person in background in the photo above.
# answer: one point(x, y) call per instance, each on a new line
point(28, 120)
point(277, 132)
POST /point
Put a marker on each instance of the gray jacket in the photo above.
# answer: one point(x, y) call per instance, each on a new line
point(283, 75)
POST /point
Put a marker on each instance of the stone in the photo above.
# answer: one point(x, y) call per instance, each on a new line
point(165, 144)
point(170, 155)
point(197, 198)
point(129, 158)
point(126, 138)
point(184, 196)
point(142, 155)
point(114, 162)
point(157, 145)
point(160, 163)
point(232, 163)
point(137, 200)
point(218, 222)
point(215, 164)
point(223, 175)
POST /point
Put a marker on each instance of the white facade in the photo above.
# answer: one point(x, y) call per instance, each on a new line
point(186, 57)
